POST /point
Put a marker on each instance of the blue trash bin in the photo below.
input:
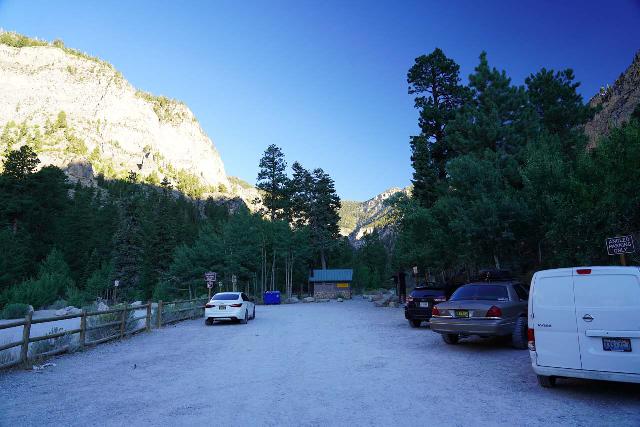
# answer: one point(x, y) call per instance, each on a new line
point(272, 297)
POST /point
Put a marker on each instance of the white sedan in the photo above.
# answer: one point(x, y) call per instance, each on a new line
point(229, 306)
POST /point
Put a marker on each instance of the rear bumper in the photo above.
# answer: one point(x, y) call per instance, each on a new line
point(417, 313)
point(584, 374)
point(216, 313)
point(482, 327)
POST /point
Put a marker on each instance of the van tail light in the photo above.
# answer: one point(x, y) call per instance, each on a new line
point(531, 338)
point(583, 271)
point(494, 312)
point(435, 311)
point(235, 305)
point(209, 305)
point(440, 299)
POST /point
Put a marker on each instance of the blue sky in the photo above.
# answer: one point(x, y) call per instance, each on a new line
point(326, 81)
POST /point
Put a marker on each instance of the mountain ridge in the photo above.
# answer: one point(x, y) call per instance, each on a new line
point(79, 113)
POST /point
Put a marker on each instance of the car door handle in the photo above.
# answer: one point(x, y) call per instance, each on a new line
point(587, 318)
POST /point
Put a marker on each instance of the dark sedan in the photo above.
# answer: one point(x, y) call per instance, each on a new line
point(420, 302)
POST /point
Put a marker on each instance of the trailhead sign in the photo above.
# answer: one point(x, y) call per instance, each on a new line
point(620, 245)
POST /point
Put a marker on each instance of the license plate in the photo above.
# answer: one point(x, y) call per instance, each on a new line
point(616, 344)
point(223, 307)
point(424, 304)
point(462, 313)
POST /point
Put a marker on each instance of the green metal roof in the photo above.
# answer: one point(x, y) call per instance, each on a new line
point(342, 275)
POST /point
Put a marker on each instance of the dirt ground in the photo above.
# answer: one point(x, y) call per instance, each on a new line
point(305, 364)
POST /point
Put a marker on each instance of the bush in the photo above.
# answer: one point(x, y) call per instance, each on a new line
point(15, 311)
point(39, 347)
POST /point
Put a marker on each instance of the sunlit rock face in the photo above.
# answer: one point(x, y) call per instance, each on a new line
point(107, 125)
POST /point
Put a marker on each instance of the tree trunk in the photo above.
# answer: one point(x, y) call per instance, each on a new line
point(323, 260)
point(497, 261)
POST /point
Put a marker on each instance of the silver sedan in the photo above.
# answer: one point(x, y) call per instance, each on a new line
point(486, 309)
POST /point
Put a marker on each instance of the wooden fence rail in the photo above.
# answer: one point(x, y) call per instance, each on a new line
point(166, 309)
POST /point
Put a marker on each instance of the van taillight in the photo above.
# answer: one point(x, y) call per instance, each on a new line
point(531, 337)
point(435, 311)
point(583, 271)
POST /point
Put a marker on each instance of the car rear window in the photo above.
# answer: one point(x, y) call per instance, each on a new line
point(225, 297)
point(481, 292)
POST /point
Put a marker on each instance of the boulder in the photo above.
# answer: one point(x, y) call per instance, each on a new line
point(322, 300)
point(68, 310)
point(339, 300)
point(136, 304)
point(101, 306)
point(394, 304)
point(292, 300)
point(309, 299)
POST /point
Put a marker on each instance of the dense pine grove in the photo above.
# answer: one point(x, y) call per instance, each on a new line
point(503, 175)
point(68, 243)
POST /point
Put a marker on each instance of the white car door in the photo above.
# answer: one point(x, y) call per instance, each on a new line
point(608, 315)
point(552, 316)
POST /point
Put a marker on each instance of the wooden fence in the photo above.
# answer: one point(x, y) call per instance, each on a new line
point(166, 313)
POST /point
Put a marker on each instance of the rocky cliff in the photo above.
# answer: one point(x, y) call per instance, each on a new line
point(615, 103)
point(80, 114)
point(360, 218)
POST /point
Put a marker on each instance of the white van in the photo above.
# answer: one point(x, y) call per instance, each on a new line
point(584, 322)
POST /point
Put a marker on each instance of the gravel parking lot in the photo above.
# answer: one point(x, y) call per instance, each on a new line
point(306, 364)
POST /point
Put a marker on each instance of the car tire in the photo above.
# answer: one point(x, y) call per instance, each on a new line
point(246, 318)
point(208, 321)
point(415, 323)
point(451, 338)
point(546, 382)
point(519, 338)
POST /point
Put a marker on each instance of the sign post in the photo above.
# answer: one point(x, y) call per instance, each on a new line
point(116, 283)
point(210, 279)
point(621, 245)
point(234, 281)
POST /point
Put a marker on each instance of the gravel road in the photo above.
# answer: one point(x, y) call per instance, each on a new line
point(306, 364)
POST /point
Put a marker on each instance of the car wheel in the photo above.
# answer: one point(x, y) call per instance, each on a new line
point(450, 338)
point(415, 323)
point(546, 382)
point(208, 321)
point(519, 338)
point(246, 318)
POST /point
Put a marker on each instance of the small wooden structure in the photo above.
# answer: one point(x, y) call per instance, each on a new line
point(331, 283)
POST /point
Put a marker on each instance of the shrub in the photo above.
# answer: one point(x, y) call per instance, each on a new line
point(75, 297)
point(15, 311)
point(111, 330)
point(39, 347)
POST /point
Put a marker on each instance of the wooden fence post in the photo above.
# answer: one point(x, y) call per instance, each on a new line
point(148, 320)
point(83, 328)
point(159, 314)
point(124, 316)
point(26, 333)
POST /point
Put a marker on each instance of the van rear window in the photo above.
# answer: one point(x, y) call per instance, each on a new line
point(481, 292)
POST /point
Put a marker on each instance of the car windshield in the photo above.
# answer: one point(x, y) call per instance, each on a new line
point(225, 297)
point(481, 292)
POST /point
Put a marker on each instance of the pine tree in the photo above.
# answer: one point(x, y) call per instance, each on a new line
point(324, 216)
point(300, 190)
point(128, 247)
point(273, 181)
point(20, 163)
point(435, 79)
